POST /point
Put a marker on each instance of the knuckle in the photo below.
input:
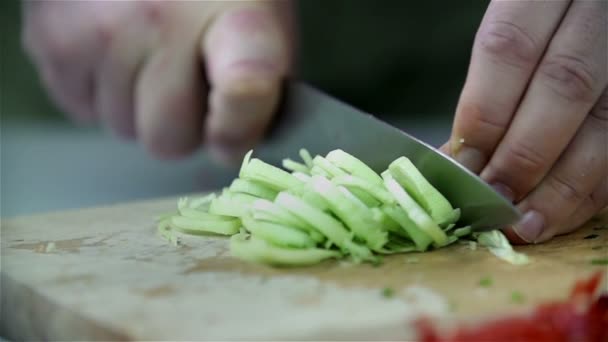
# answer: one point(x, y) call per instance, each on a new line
point(566, 188)
point(508, 42)
point(524, 159)
point(243, 88)
point(153, 11)
point(599, 198)
point(479, 119)
point(570, 76)
point(600, 111)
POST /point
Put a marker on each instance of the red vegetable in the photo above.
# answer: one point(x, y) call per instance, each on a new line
point(581, 318)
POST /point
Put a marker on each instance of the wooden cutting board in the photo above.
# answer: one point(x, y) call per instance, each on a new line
point(103, 273)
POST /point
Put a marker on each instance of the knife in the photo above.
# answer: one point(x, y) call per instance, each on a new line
point(311, 119)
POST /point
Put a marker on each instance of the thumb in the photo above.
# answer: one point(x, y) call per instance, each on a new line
point(247, 52)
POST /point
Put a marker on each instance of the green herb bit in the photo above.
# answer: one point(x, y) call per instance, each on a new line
point(388, 292)
point(517, 297)
point(486, 282)
point(600, 261)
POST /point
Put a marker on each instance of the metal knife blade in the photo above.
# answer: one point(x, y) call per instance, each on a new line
point(313, 120)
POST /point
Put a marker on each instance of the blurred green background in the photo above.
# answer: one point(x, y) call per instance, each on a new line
point(402, 60)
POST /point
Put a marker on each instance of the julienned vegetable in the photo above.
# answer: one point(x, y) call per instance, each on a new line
point(327, 207)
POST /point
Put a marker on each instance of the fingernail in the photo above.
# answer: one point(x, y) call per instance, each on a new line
point(471, 158)
point(530, 226)
point(504, 190)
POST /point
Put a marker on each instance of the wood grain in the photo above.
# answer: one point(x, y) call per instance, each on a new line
point(103, 273)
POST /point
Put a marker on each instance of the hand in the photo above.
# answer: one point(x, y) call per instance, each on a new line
point(532, 118)
point(168, 72)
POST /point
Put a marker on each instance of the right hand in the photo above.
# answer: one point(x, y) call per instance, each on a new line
point(172, 74)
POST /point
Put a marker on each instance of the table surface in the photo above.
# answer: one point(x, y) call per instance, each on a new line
point(104, 273)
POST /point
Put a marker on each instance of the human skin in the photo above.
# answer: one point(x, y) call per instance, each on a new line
point(532, 118)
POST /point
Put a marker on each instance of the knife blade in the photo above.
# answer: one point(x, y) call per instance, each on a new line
point(311, 119)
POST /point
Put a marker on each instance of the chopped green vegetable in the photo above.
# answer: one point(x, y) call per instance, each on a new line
point(407, 175)
point(325, 223)
point(326, 207)
point(353, 166)
point(301, 176)
point(272, 177)
point(252, 188)
point(201, 203)
point(228, 204)
point(421, 239)
point(256, 250)
point(498, 245)
point(464, 231)
point(603, 261)
point(358, 219)
point(295, 166)
point(306, 157)
point(278, 234)
point(196, 226)
point(329, 168)
point(517, 297)
point(486, 282)
point(388, 292)
point(415, 212)
point(352, 182)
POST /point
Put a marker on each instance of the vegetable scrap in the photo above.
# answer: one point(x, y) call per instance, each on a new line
point(328, 207)
point(498, 245)
point(412, 260)
point(517, 297)
point(486, 282)
point(388, 292)
point(583, 317)
point(602, 261)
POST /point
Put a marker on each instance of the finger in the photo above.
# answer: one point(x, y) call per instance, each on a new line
point(509, 43)
point(247, 53)
point(567, 83)
point(592, 205)
point(67, 50)
point(169, 93)
point(118, 72)
point(572, 179)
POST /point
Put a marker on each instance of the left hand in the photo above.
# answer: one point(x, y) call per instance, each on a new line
point(532, 118)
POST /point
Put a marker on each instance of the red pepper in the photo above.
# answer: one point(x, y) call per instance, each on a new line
point(580, 318)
